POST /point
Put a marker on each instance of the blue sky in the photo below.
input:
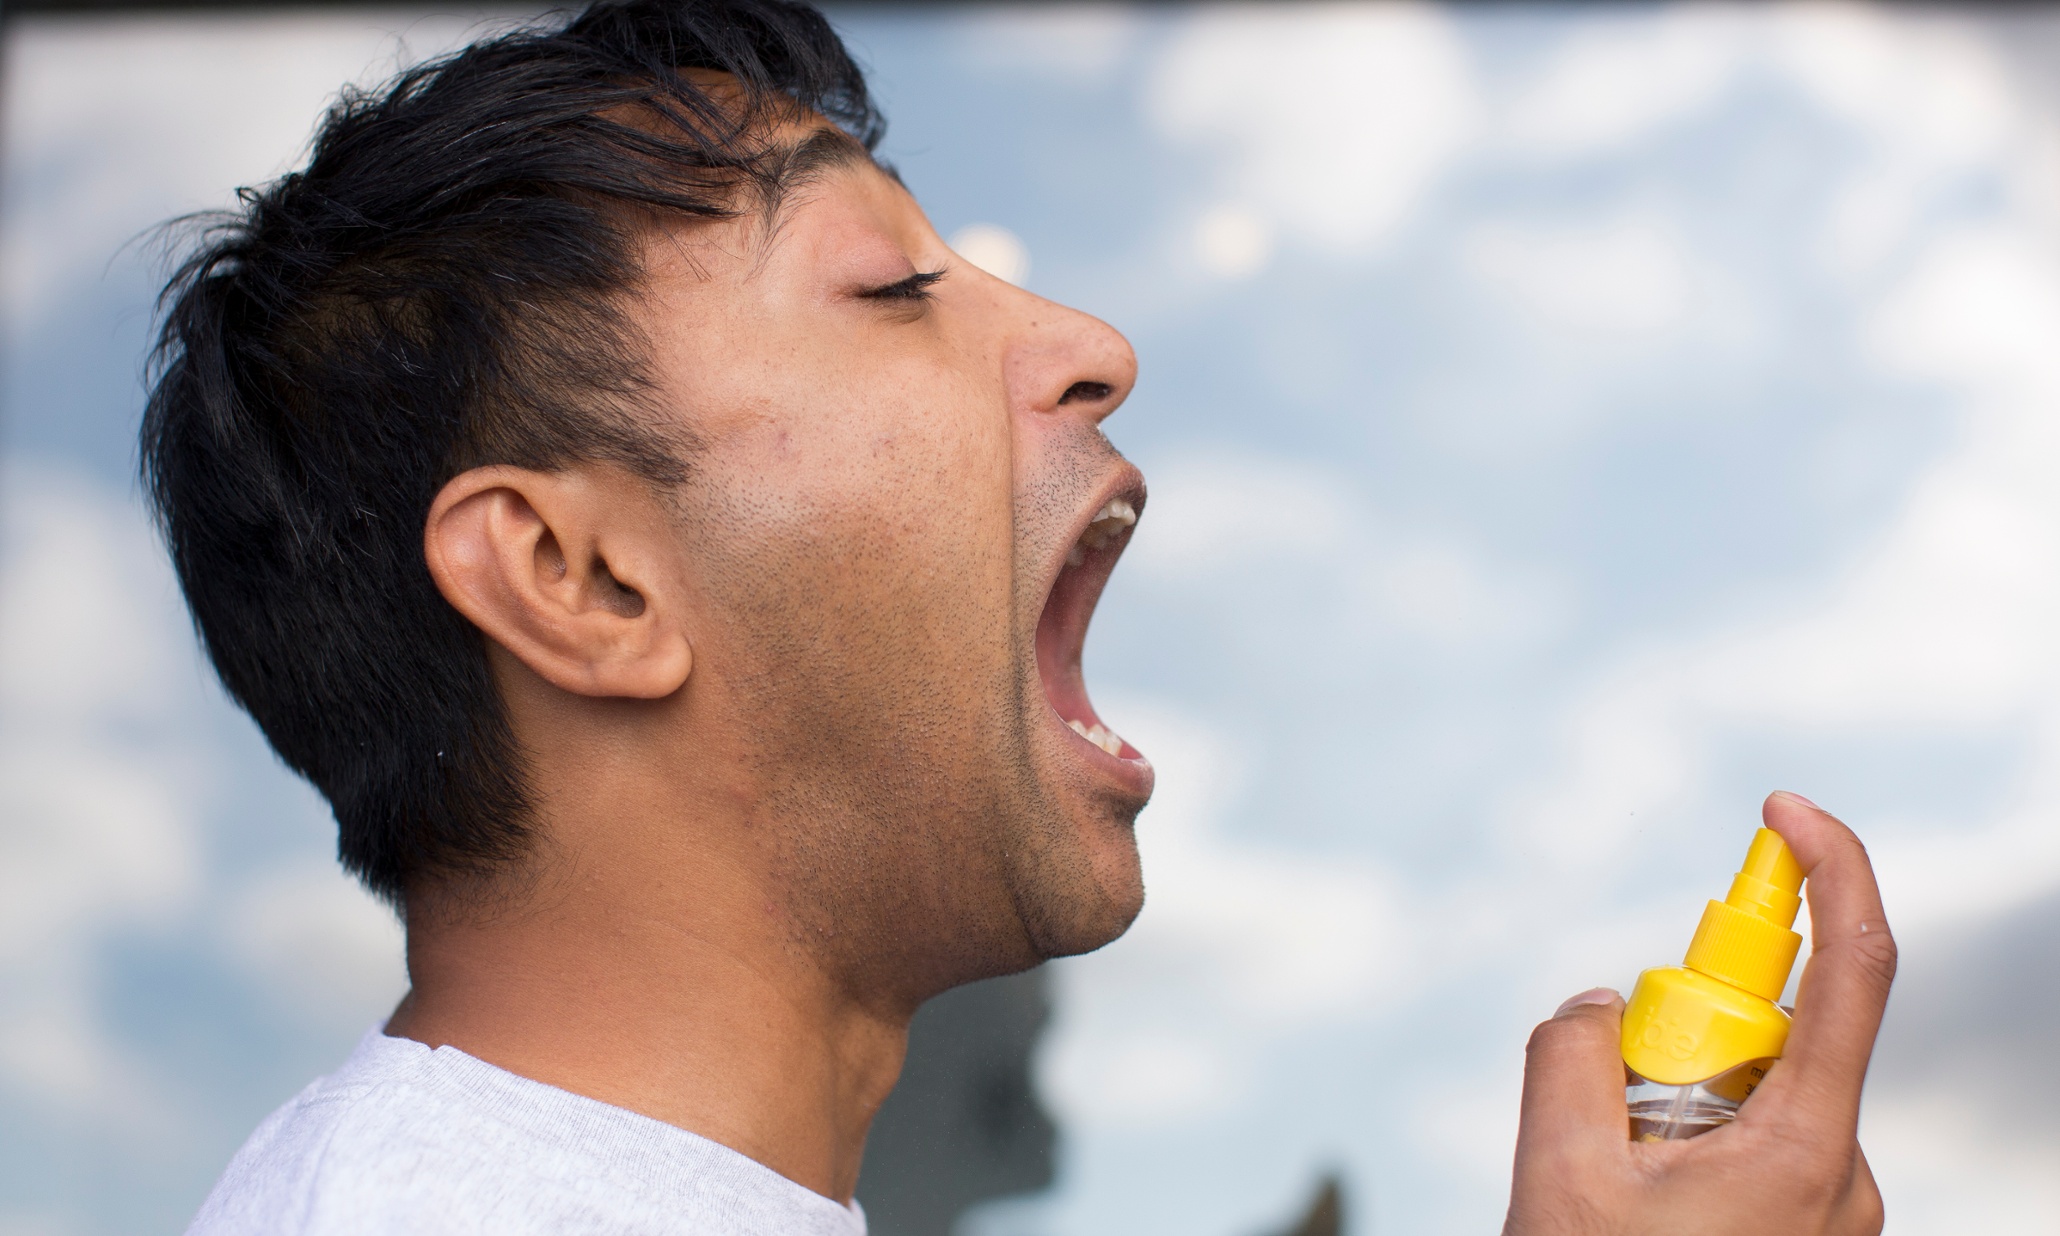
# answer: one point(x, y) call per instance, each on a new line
point(1564, 426)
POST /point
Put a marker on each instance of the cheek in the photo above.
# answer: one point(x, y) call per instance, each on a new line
point(909, 475)
point(880, 533)
point(854, 505)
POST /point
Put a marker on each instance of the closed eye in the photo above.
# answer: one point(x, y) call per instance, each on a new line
point(914, 288)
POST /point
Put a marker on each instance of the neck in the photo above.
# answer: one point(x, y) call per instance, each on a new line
point(681, 1000)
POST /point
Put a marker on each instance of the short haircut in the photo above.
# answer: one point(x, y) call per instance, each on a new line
point(445, 285)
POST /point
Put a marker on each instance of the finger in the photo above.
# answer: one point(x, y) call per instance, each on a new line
point(1574, 1076)
point(1845, 985)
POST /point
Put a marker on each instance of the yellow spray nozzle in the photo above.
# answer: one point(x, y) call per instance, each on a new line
point(1770, 882)
point(1745, 939)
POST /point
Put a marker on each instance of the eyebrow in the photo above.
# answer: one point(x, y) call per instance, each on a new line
point(823, 151)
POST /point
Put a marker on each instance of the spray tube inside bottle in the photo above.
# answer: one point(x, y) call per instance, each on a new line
point(1700, 1036)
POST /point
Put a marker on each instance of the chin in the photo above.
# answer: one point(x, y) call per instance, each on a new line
point(1088, 896)
point(1101, 924)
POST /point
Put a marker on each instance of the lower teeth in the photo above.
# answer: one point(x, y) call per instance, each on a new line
point(1100, 735)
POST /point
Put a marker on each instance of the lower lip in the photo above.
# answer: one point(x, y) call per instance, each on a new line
point(1131, 766)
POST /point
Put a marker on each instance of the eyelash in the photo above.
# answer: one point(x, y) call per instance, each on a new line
point(914, 288)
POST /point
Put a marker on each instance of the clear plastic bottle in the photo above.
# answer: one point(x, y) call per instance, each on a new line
point(1700, 1036)
point(1663, 1113)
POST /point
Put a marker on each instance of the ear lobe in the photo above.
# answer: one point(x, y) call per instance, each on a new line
point(568, 572)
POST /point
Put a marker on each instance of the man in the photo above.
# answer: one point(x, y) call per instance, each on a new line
point(596, 477)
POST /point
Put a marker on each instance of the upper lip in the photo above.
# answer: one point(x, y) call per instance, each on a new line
point(1127, 484)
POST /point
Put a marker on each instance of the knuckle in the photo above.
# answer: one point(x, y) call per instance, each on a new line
point(1876, 951)
point(1844, 847)
point(1865, 1216)
point(1821, 1174)
point(1864, 1213)
point(1543, 1037)
point(1559, 1034)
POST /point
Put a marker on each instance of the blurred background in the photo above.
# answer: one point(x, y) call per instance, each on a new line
point(1564, 425)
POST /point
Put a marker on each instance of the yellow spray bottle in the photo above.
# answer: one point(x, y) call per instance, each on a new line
point(1698, 1037)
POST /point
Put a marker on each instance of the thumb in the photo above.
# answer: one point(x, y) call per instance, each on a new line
point(1574, 1076)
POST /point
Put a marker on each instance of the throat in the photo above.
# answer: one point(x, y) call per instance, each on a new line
point(657, 1010)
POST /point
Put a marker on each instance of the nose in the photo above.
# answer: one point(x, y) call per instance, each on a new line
point(1062, 362)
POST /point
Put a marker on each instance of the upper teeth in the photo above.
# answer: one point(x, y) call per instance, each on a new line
point(1107, 524)
point(1099, 734)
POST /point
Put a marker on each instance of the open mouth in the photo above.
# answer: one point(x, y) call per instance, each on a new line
point(1062, 629)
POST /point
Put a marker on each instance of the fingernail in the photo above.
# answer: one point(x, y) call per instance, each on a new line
point(1594, 995)
point(1799, 798)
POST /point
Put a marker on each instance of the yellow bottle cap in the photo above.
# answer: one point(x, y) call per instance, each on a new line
point(1716, 1010)
point(1745, 939)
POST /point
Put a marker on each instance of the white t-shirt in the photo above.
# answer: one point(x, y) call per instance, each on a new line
point(403, 1139)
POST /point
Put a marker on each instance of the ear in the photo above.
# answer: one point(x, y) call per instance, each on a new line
point(572, 572)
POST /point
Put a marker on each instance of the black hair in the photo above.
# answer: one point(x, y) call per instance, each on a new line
point(444, 285)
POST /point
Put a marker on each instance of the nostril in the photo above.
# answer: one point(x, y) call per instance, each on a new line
point(1093, 392)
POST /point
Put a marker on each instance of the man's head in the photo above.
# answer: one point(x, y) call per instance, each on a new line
point(593, 443)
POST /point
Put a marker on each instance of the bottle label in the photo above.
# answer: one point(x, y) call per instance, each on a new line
point(1735, 1084)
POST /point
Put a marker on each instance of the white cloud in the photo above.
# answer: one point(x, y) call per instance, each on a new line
point(1131, 1077)
point(1239, 945)
point(1216, 511)
point(1469, 1122)
point(95, 780)
point(316, 940)
point(994, 249)
point(1950, 620)
point(107, 764)
point(1627, 277)
point(1927, 94)
point(1278, 937)
point(109, 773)
point(1232, 242)
point(1621, 80)
point(1947, 1164)
point(1334, 119)
point(1947, 622)
point(1982, 311)
point(1083, 43)
point(1923, 90)
point(89, 619)
point(95, 155)
point(1216, 515)
point(1932, 85)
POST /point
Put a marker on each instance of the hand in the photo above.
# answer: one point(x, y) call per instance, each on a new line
point(1790, 1164)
